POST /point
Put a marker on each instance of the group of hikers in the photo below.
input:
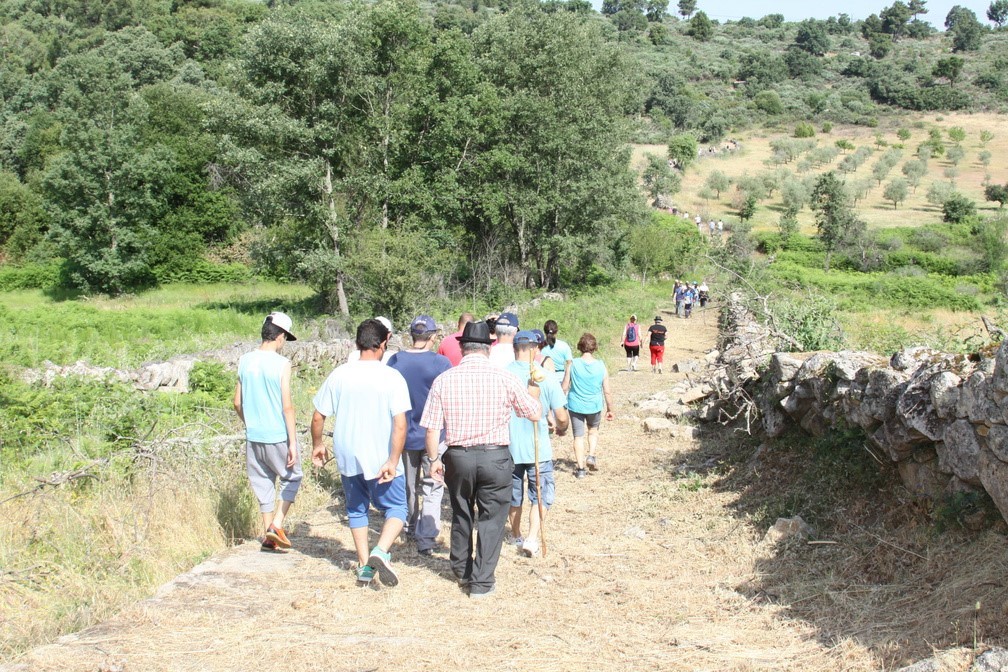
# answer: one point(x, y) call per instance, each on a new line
point(685, 295)
point(475, 418)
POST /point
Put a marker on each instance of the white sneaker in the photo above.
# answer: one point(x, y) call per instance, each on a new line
point(530, 547)
point(514, 541)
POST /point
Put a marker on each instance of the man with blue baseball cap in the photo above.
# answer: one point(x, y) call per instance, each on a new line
point(419, 365)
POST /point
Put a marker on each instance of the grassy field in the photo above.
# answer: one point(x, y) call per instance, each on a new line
point(916, 211)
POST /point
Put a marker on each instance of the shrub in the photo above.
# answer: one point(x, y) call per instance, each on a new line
point(957, 208)
point(804, 130)
point(827, 127)
point(212, 378)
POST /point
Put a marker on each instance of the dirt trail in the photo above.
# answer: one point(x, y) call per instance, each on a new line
point(643, 570)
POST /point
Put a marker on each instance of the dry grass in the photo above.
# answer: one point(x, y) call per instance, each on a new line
point(654, 563)
point(876, 212)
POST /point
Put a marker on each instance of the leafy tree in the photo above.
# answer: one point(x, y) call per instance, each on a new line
point(610, 7)
point(700, 27)
point(659, 178)
point(955, 154)
point(687, 7)
point(879, 45)
point(985, 136)
point(950, 68)
point(835, 220)
point(844, 145)
point(813, 38)
point(772, 21)
point(717, 182)
point(769, 102)
point(965, 29)
point(23, 219)
point(880, 170)
point(895, 18)
point(917, 7)
point(957, 208)
point(997, 192)
point(992, 242)
point(658, 34)
point(914, 171)
point(903, 134)
point(748, 208)
point(871, 26)
point(629, 20)
point(938, 193)
point(957, 134)
point(984, 156)
point(803, 129)
point(997, 12)
point(788, 223)
point(895, 191)
point(664, 245)
point(802, 64)
point(682, 150)
point(657, 10)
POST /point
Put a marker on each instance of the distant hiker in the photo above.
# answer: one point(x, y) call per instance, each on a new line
point(656, 343)
point(680, 297)
point(689, 297)
point(589, 391)
point(632, 342)
point(354, 354)
point(419, 366)
point(703, 294)
point(720, 227)
point(502, 352)
point(262, 400)
point(522, 447)
point(449, 344)
point(711, 225)
point(559, 351)
point(472, 404)
point(368, 402)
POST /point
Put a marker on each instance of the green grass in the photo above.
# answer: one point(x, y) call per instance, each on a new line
point(125, 332)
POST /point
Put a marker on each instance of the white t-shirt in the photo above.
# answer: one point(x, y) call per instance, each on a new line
point(501, 354)
point(362, 398)
point(354, 356)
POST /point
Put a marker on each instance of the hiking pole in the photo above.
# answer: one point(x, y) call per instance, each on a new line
point(537, 377)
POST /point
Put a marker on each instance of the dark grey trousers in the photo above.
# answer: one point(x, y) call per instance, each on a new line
point(479, 485)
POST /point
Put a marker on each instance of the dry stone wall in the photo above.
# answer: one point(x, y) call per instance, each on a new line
point(942, 418)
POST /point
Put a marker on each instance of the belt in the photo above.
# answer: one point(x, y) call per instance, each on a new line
point(479, 447)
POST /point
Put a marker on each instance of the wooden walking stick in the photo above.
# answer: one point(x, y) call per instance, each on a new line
point(538, 377)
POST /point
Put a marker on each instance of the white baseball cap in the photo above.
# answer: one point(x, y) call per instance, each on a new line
point(387, 322)
point(284, 322)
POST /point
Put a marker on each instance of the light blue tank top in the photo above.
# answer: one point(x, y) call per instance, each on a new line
point(260, 372)
point(585, 394)
point(560, 354)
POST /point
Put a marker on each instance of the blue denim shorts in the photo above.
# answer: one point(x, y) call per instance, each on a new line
point(518, 484)
point(389, 498)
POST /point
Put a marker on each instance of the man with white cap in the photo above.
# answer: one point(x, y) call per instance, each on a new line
point(354, 355)
point(502, 351)
point(262, 400)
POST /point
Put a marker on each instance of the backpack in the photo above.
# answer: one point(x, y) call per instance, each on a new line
point(631, 333)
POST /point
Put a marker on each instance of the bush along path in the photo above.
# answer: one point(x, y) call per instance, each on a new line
point(652, 564)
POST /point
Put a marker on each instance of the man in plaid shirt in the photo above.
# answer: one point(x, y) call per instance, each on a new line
point(472, 403)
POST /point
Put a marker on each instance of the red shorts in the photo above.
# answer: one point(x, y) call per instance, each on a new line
point(657, 354)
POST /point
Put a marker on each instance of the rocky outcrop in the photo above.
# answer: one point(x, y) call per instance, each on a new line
point(942, 418)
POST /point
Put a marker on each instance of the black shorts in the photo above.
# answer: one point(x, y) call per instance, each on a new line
point(632, 350)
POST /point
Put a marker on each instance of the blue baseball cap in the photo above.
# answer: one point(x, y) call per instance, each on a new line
point(423, 324)
point(540, 336)
point(525, 338)
point(507, 320)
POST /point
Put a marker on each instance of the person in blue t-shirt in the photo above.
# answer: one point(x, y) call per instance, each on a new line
point(560, 352)
point(420, 366)
point(262, 400)
point(589, 393)
point(523, 445)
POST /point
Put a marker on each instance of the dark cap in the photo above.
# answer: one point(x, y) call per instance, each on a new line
point(507, 320)
point(525, 338)
point(423, 324)
point(475, 332)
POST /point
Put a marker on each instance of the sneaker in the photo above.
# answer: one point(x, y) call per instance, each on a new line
point(591, 464)
point(381, 561)
point(425, 552)
point(485, 593)
point(513, 541)
point(269, 546)
point(365, 574)
point(278, 537)
point(580, 473)
point(530, 547)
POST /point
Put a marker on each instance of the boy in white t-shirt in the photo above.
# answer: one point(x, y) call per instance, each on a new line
point(368, 402)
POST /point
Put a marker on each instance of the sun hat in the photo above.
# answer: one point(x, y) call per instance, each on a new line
point(284, 322)
point(657, 318)
point(476, 332)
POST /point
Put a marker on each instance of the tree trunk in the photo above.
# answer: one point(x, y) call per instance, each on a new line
point(332, 224)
